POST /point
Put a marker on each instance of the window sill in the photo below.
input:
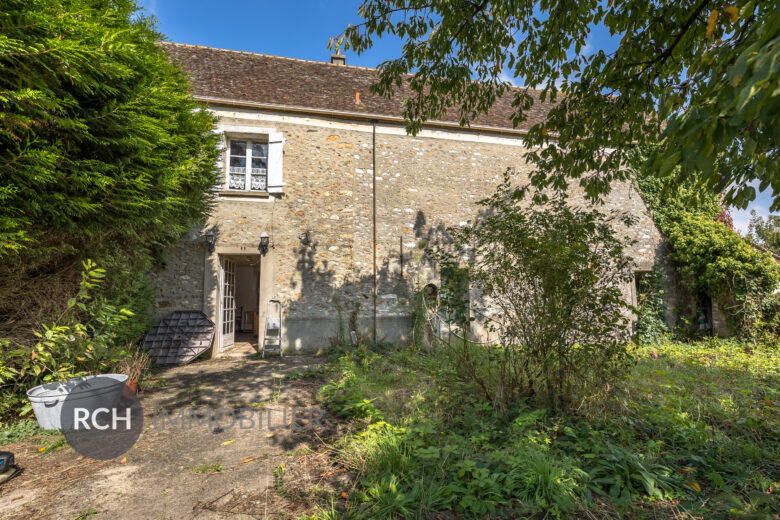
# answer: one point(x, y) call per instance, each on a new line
point(237, 193)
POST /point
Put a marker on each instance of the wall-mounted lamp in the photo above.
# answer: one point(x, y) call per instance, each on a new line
point(304, 238)
point(210, 238)
point(264, 242)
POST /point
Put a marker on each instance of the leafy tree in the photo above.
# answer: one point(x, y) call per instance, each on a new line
point(103, 152)
point(700, 77)
point(765, 231)
point(553, 275)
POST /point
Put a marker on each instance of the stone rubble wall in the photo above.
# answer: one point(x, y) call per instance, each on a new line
point(424, 184)
point(180, 282)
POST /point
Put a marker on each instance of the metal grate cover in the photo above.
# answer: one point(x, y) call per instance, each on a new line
point(179, 338)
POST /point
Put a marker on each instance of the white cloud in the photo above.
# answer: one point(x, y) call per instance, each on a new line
point(741, 218)
point(503, 76)
point(587, 48)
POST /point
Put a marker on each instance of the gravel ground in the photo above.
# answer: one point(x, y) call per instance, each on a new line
point(171, 472)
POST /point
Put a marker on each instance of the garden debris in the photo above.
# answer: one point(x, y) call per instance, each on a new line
point(329, 473)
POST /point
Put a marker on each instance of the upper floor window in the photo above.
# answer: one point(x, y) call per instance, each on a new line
point(251, 161)
point(248, 165)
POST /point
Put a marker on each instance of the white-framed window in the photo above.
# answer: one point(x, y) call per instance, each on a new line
point(251, 160)
point(247, 165)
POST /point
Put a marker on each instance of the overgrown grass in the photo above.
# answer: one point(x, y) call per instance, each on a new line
point(18, 431)
point(691, 433)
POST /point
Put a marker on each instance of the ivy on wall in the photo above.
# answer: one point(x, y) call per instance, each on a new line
point(712, 258)
point(651, 325)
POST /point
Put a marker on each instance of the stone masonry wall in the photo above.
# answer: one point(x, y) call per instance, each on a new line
point(180, 284)
point(424, 184)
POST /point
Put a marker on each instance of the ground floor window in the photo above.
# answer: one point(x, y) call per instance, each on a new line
point(454, 294)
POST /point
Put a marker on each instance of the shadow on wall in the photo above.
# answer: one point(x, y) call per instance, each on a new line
point(325, 293)
point(325, 298)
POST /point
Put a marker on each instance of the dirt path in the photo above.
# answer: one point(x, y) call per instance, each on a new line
point(171, 472)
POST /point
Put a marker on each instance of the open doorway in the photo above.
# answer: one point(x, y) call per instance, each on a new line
point(239, 303)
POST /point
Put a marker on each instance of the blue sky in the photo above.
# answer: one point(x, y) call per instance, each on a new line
point(292, 28)
point(300, 29)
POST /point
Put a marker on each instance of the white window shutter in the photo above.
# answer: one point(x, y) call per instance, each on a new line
point(220, 164)
point(275, 162)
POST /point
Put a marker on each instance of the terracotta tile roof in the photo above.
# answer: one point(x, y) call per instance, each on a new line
point(287, 82)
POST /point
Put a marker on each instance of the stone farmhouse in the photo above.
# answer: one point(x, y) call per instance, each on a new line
point(310, 157)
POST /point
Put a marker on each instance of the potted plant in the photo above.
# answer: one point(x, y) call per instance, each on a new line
point(133, 367)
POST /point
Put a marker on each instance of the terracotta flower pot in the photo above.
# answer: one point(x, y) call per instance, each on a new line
point(132, 384)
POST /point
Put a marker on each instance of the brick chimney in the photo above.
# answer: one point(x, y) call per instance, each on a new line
point(338, 59)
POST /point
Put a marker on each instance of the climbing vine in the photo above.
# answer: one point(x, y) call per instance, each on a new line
point(712, 258)
point(650, 325)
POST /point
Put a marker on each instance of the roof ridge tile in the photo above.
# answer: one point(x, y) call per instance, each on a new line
point(250, 53)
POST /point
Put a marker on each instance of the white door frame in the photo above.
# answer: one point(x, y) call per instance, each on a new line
point(227, 288)
point(260, 313)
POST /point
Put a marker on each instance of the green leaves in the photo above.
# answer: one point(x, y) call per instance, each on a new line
point(99, 136)
point(551, 274)
point(694, 425)
point(83, 340)
point(711, 257)
point(717, 261)
point(624, 474)
point(103, 154)
point(700, 78)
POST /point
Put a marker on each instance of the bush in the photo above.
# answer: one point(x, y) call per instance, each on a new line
point(104, 154)
point(82, 341)
point(553, 276)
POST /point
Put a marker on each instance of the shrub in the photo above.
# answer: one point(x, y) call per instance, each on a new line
point(104, 154)
point(80, 342)
point(553, 276)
